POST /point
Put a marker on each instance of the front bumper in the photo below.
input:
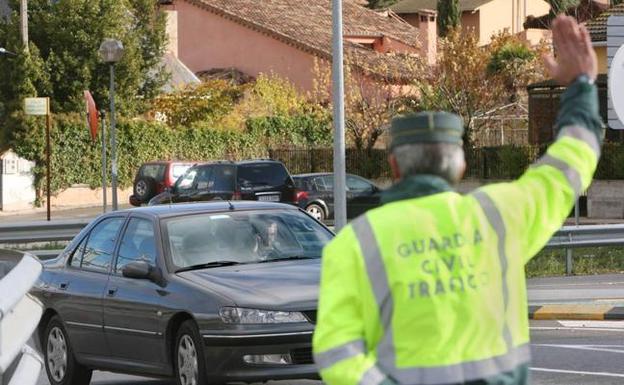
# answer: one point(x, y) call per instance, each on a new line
point(224, 356)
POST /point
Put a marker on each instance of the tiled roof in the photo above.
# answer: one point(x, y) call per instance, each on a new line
point(598, 26)
point(307, 25)
point(584, 11)
point(412, 6)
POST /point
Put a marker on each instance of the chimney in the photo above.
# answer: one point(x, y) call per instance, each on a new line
point(428, 34)
point(172, 30)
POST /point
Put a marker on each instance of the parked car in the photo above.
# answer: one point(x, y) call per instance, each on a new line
point(153, 178)
point(260, 180)
point(317, 195)
point(205, 293)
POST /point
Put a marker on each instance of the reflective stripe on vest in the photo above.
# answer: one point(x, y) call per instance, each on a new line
point(583, 134)
point(373, 376)
point(571, 174)
point(496, 221)
point(465, 371)
point(343, 352)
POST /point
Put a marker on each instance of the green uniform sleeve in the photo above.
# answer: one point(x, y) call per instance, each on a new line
point(340, 350)
point(535, 206)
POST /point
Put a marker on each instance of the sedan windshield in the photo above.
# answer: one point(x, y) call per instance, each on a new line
point(243, 237)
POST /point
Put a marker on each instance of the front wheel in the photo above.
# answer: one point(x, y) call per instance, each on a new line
point(316, 211)
point(189, 356)
point(60, 363)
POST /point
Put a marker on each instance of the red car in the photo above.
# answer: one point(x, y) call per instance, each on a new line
point(154, 177)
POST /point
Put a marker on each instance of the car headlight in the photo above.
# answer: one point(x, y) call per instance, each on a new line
point(237, 315)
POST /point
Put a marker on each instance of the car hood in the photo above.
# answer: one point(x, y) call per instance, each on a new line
point(280, 285)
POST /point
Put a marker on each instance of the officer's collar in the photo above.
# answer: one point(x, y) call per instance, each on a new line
point(414, 187)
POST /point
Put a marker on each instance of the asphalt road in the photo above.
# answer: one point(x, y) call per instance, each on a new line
point(605, 288)
point(574, 354)
point(564, 353)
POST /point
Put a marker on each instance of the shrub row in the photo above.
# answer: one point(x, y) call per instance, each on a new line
point(77, 160)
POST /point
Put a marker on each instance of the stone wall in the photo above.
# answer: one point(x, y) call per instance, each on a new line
point(84, 196)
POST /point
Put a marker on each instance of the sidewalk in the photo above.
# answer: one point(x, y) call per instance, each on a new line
point(593, 221)
point(595, 297)
point(40, 213)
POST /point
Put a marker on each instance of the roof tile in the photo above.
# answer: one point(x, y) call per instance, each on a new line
point(308, 25)
point(598, 27)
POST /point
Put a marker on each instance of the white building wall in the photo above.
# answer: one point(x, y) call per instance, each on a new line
point(17, 182)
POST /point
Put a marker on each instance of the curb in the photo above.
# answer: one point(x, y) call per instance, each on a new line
point(585, 312)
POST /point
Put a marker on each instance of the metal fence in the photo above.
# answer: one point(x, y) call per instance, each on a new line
point(504, 162)
point(20, 364)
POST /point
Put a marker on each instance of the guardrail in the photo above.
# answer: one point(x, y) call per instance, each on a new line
point(30, 232)
point(19, 316)
point(568, 237)
point(587, 236)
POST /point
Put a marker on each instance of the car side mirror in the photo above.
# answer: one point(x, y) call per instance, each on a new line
point(142, 270)
point(139, 269)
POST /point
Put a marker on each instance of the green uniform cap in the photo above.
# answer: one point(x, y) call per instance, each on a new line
point(426, 127)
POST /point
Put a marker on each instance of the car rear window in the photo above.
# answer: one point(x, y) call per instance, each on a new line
point(179, 170)
point(262, 174)
point(300, 183)
point(156, 171)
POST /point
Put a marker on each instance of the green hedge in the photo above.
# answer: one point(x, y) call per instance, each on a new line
point(76, 160)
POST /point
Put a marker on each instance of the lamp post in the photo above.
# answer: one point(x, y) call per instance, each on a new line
point(111, 51)
point(340, 189)
point(4, 51)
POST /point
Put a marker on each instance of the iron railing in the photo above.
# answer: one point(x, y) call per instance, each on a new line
point(568, 237)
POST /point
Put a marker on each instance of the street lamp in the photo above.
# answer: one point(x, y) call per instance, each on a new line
point(111, 51)
point(4, 51)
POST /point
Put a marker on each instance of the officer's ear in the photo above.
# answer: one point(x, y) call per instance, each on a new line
point(394, 166)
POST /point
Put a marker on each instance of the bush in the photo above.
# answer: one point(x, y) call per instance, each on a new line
point(77, 160)
point(310, 130)
point(208, 103)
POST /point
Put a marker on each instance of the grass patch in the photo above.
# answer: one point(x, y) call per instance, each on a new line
point(36, 246)
point(585, 261)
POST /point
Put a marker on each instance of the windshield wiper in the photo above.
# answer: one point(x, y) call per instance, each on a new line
point(289, 258)
point(208, 265)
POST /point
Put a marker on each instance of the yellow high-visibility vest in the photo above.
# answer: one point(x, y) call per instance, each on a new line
point(432, 290)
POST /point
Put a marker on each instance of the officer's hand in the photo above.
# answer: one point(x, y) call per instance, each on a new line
point(575, 54)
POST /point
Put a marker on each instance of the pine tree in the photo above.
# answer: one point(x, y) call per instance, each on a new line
point(68, 33)
point(448, 16)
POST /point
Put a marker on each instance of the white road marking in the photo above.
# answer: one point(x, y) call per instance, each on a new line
point(583, 329)
point(555, 285)
point(603, 374)
point(594, 348)
point(593, 324)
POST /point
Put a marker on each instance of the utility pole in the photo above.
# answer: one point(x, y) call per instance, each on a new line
point(340, 189)
point(24, 23)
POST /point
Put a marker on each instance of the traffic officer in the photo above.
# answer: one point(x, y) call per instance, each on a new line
point(430, 287)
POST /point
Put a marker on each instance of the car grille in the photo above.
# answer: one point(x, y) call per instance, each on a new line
point(302, 356)
point(310, 315)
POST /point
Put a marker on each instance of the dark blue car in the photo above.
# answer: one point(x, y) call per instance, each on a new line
point(316, 195)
